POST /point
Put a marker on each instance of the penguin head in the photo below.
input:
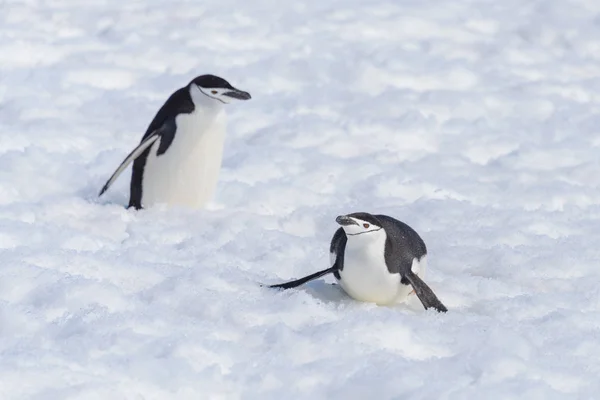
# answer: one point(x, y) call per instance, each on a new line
point(218, 89)
point(360, 225)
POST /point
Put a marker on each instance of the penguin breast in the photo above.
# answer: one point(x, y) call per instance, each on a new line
point(187, 172)
point(365, 275)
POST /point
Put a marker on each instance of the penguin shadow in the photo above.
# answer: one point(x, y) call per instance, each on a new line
point(89, 193)
point(333, 293)
point(118, 201)
point(321, 290)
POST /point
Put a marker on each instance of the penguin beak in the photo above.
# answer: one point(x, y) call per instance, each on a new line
point(344, 220)
point(238, 94)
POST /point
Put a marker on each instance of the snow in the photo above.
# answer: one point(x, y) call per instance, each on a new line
point(476, 122)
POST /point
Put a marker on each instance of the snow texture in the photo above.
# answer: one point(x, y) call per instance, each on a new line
point(477, 122)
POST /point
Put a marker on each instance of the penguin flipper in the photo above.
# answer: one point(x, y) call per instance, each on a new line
point(147, 142)
point(298, 282)
point(424, 293)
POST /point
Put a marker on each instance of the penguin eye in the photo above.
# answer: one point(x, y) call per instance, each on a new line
point(366, 226)
point(213, 91)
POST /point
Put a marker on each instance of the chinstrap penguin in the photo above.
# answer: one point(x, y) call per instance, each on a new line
point(179, 157)
point(377, 259)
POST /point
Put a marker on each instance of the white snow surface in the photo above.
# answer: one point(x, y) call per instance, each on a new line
point(477, 122)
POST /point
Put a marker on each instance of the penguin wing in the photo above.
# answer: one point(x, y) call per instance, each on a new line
point(167, 128)
point(301, 281)
point(424, 293)
point(337, 248)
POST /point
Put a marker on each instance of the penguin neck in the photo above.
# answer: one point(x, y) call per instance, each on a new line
point(203, 102)
point(369, 244)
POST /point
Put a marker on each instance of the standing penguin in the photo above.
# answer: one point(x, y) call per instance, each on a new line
point(179, 157)
point(377, 259)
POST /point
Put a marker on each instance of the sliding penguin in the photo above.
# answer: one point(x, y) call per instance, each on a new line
point(179, 157)
point(377, 259)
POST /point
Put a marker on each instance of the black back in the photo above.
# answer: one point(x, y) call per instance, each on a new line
point(179, 102)
point(402, 245)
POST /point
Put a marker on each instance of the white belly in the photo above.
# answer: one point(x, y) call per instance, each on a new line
point(365, 277)
point(187, 173)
